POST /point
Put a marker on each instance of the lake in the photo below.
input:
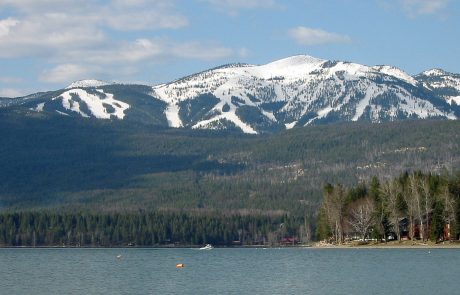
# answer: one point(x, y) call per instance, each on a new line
point(229, 271)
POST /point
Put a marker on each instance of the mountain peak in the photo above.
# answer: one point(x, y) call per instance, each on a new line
point(395, 72)
point(295, 91)
point(294, 66)
point(435, 72)
point(297, 60)
point(88, 83)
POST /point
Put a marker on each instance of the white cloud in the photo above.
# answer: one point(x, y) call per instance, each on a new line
point(10, 92)
point(6, 25)
point(149, 50)
point(142, 15)
point(125, 60)
point(118, 53)
point(40, 5)
point(87, 39)
point(119, 15)
point(48, 35)
point(202, 51)
point(244, 4)
point(10, 80)
point(308, 36)
point(415, 8)
point(46, 26)
point(232, 7)
point(64, 73)
point(141, 20)
point(243, 52)
point(422, 7)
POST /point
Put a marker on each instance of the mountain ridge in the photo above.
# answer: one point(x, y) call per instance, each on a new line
point(291, 92)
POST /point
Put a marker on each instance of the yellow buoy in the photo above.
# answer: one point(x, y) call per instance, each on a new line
point(180, 265)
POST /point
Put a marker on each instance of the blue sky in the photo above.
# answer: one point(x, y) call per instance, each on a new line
point(47, 44)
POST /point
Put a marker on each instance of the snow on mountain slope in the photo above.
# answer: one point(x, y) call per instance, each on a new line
point(98, 103)
point(455, 99)
point(434, 73)
point(295, 91)
point(445, 84)
point(86, 103)
point(87, 83)
point(395, 72)
point(291, 67)
point(298, 90)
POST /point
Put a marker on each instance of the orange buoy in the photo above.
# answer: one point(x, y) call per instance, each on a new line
point(180, 265)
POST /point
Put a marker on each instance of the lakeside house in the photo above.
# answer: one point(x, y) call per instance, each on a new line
point(405, 228)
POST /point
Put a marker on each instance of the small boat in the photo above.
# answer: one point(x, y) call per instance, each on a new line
point(180, 265)
point(207, 247)
point(119, 256)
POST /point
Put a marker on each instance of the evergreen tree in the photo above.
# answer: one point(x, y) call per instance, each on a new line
point(437, 221)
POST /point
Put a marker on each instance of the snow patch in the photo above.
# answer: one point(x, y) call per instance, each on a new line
point(62, 113)
point(98, 105)
point(456, 99)
point(434, 72)
point(88, 83)
point(370, 92)
point(172, 115)
point(324, 112)
point(39, 107)
point(294, 66)
point(230, 116)
point(397, 73)
point(290, 125)
point(269, 115)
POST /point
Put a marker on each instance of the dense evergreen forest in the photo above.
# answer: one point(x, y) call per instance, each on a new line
point(44, 228)
point(73, 168)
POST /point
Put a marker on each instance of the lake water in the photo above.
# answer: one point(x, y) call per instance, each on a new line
point(229, 271)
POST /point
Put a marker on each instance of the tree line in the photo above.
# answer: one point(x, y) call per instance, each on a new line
point(44, 228)
point(411, 206)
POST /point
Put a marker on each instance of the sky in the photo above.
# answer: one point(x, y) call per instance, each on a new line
point(47, 44)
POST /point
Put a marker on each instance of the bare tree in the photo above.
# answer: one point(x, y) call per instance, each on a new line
point(427, 200)
point(449, 206)
point(334, 205)
point(361, 217)
point(305, 233)
point(390, 192)
point(414, 204)
point(412, 198)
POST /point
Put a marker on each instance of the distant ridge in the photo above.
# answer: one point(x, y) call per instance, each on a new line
point(291, 92)
point(88, 83)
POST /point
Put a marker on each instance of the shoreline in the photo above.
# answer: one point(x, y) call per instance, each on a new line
point(317, 245)
point(390, 245)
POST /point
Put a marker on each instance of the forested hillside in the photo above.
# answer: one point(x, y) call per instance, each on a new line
point(117, 166)
point(70, 165)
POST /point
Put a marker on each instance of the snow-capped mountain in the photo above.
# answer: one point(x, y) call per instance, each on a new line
point(87, 103)
point(295, 91)
point(444, 84)
point(88, 83)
